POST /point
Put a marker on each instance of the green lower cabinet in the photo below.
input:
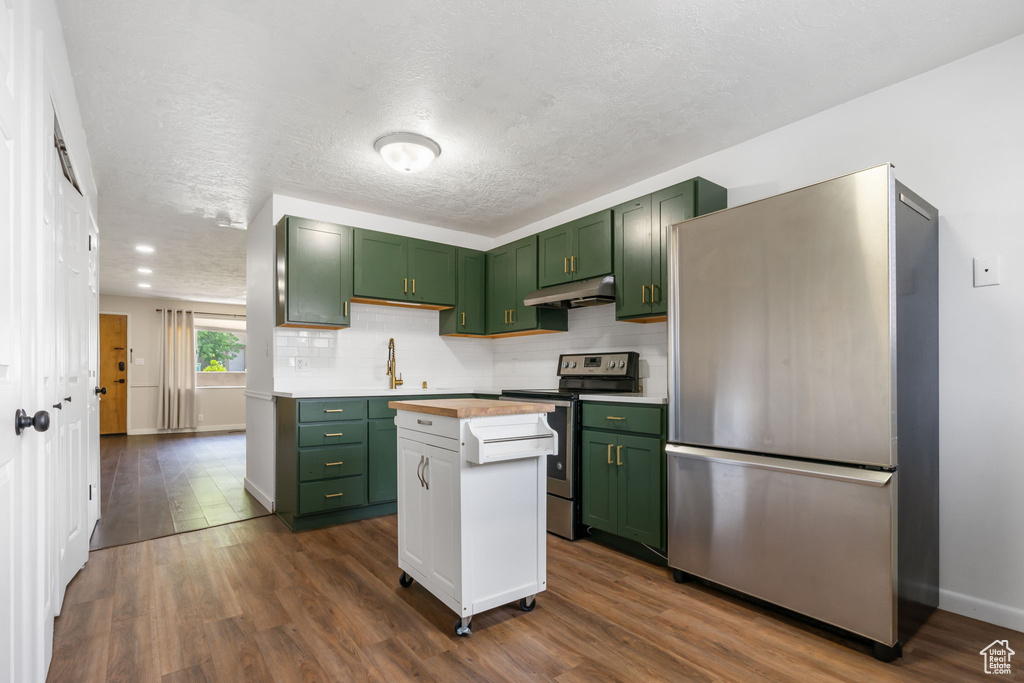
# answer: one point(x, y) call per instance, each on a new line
point(332, 494)
point(383, 464)
point(624, 485)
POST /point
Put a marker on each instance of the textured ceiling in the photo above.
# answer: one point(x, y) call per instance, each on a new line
point(196, 109)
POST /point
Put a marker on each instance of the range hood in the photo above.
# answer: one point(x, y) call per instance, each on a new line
point(592, 292)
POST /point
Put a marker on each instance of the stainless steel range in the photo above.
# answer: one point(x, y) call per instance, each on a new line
point(578, 374)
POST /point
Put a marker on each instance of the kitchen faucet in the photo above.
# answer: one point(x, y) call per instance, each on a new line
point(395, 381)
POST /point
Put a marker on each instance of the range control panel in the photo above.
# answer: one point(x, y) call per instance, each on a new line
point(597, 364)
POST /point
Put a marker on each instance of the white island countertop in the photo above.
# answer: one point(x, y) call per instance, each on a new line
point(626, 398)
point(402, 392)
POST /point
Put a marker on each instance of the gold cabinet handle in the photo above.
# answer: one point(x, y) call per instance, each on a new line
point(654, 299)
point(643, 296)
point(565, 265)
point(333, 464)
point(614, 418)
point(414, 285)
point(346, 307)
point(512, 315)
point(333, 495)
point(405, 285)
point(338, 434)
point(506, 316)
point(334, 410)
point(610, 447)
point(618, 455)
point(463, 318)
point(572, 264)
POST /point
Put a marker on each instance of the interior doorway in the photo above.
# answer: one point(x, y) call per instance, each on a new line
point(114, 373)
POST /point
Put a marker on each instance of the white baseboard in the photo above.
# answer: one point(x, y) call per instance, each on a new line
point(210, 428)
point(977, 608)
point(263, 498)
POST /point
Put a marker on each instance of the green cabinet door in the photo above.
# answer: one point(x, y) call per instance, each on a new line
point(640, 486)
point(381, 265)
point(467, 316)
point(554, 249)
point(592, 245)
point(431, 272)
point(500, 288)
point(634, 256)
point(600, 489)
point(525, 251)
point(669, 206)
point(315, 263)
point(382, 463)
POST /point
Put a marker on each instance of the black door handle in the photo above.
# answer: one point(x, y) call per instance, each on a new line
point(40, 421)
point(101, 390)
point(68, 399)
point(58, 406)
point(118, 381)
point(120, 366)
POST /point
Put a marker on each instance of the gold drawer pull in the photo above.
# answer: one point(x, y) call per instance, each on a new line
point(463, 318)
point(334, 410)
point(618, 455)
point(614, 418)
point(333, 495)
point(338, 434)
point(332, 464)
point(610, 447)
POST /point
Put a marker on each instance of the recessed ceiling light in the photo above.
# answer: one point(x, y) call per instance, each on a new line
point(407, 152)
point(146, 271)
point(144, 249)
point(144, 285)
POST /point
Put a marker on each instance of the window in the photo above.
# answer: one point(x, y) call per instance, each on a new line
point(220, 353)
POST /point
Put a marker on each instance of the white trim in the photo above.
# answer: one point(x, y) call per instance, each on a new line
point(205, 428)
point(224, 386)
point(262, 395)
point(979, 608)
point(263, 498)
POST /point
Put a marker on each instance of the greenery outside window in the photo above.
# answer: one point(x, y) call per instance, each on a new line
point(220, 356)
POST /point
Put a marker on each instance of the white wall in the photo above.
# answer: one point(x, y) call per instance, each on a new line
point(221, 407)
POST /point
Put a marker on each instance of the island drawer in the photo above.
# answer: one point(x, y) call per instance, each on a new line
point(623, 418)
point(332, 409)
point(332, 494)
point(331, 433)
point(332, 461)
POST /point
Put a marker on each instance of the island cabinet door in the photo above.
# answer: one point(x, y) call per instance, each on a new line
point(441, 475)
point(599, 481)
point(413, 512)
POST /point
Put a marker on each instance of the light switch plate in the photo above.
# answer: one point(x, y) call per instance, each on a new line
point(140, 361)
point(986, 271)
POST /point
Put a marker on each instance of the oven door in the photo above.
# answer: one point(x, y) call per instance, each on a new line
point(561, 481)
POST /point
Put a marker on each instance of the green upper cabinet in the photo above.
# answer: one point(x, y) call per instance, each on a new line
point(396, 268)
point(511, 275)
point(467, 318)
point(641, 233)
point(314, 266)
point(578, 250)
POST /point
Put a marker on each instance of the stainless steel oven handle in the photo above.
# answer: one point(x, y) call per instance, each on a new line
point(849, 475)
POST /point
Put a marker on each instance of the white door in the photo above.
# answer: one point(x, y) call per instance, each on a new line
point(413, 529)
point(72, 307)
point(92, 398)
point(441, 475)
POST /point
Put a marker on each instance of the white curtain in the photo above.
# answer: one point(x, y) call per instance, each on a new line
point(177, 402)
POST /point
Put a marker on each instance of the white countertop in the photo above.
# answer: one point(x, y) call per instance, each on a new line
point(625, 398)
point(377, 391)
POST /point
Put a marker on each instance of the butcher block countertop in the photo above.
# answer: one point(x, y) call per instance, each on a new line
point(470, 407)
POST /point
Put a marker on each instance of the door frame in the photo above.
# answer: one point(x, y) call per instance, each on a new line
point(131, 362)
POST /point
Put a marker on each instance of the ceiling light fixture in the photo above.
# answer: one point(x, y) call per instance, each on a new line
point(144, 249)
point(407, 152)
point(144, 285)
point(228, 223)
point(146, 271)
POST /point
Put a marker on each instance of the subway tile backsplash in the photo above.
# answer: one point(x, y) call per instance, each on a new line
point(355, 358)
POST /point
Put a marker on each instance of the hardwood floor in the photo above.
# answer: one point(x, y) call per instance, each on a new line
point(254, 602)
point(153, 486)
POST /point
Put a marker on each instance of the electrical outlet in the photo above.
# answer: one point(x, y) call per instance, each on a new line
point(302, 364)
point(200, 417)
point(986, 271)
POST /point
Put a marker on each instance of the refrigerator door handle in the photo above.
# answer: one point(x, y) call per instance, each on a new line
point(850, 475)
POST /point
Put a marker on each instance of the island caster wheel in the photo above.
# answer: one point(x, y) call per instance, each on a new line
point(527, 604)
point(462, 626)
point(885, 653)
point(405, 580)
point(679, 576)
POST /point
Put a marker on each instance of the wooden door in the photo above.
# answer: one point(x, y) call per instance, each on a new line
point(319, 272)
point(634, 254)
point(114, 373)
point(599, 480)
point(381, 267)
point(431, 272)
point(554, 251)
point(640, 484)
point(592, 245)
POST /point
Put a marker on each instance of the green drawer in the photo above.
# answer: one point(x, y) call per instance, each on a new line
point(332, 433)
point(321, 496)
point(332, 409)
point(623, 418)
point(332, 461)
point(378, 407)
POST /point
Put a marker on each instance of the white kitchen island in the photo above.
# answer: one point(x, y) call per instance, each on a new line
point(472, 501)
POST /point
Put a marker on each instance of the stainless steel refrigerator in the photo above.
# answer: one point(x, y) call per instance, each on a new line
point(803, 419)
